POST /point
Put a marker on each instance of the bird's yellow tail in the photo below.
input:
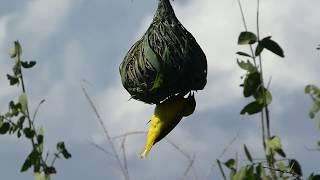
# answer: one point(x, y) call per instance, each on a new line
point(143, 155)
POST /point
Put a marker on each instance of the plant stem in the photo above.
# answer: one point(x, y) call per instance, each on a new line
point(262, 80)
point(27, 108)
point(246, 29)
point(30, 121)
point(266, 121)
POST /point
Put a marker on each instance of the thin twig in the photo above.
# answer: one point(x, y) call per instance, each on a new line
point(56, 156)
point(191, 159)
point(179, 149)
point(269, 82)
point(129, 134)
point(224, 151)
point(228, 145)
point(246, 29)
point(221, 170)
point(106, 132)
point(124, 155)
point(102, 149)
point(188, 167)
point(194, 173)
point(242, 15)
point(36, 111)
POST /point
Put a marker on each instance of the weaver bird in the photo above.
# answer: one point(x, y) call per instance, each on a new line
point(166, 116)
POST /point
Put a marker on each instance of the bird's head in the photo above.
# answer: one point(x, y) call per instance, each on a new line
point(190, 105)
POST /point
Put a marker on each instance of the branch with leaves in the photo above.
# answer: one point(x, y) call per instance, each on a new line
point(20, 122)
point(254, 87)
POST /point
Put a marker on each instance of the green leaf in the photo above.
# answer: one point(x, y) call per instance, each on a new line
point(21, 121)
point(243, 54)
point(241, 174)
point(260, 98)
point(23, 100)
point(50, 170)
point(249, 157)
point(281, 153)
point(251, 84)
point(231, 164)
point(314, 92)
point(62, 149)
point(29, 133)
point(13, 52)
point(252, 108)
point(13, 80)
point(248, 66)
point(26, 165)
point(274, 145)
point(4, 128)
point(247, 38)
point(311, 89)
point(26, 64)
point(16, 69)
point(314, 177)
point(32, 159)
point(259, 49)
point(274, 142)
point(271, 45)
point(19, 133)
point(40, 139)
point(314, 110)
point(295, 167)
point(13, 109)
point(18, 48)
point(282, 166)
point(259, 170)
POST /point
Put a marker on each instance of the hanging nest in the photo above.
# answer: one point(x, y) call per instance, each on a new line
point(167, 60)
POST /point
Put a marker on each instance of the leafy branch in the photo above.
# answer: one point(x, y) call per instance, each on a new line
point(18, 120)
point(254, 88)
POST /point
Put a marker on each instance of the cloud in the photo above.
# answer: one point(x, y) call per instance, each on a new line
point(3, 28)
point(42, 18)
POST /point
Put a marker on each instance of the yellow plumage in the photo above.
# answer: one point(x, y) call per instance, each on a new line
point(165, 118)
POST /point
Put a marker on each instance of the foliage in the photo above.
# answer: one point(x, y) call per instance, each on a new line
point(18, 121)
point(275, 165)
point(314, 93)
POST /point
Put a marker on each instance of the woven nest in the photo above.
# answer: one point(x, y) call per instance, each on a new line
point(167, 60)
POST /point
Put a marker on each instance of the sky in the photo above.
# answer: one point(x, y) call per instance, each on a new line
point(82, 42)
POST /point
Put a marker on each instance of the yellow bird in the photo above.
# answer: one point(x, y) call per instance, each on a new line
point(165, 118)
